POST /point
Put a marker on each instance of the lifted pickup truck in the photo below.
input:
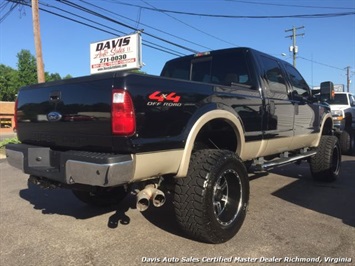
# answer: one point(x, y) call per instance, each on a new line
point(343, 112)
point(193, 131)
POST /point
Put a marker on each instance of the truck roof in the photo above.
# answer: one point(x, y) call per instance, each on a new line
point(219, 51)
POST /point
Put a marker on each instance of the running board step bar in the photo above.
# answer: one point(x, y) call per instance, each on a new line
point(282, 161)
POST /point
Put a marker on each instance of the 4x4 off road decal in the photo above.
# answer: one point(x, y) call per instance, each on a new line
point(164, 99)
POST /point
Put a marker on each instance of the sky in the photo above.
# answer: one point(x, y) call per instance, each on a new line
point(326, 45)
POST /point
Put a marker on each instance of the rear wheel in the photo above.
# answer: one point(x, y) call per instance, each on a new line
point(211, 202)
point(102, 197)
point(325, 165)
point(347, 141)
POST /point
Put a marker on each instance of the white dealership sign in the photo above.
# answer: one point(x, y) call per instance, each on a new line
point(121, 53)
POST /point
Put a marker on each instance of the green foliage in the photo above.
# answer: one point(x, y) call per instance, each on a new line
point(11, 80)
point(9, 83)
point(52, 77)
point(27, 68)
point(8, 141)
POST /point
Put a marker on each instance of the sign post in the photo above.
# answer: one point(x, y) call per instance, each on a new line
point(121, 53)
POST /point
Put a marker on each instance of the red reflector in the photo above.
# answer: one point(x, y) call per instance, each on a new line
point(123, 117)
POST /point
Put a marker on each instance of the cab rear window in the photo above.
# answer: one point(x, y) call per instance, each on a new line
point(222, 68)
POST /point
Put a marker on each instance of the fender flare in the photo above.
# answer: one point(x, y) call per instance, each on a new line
point(327, 118)
point(229, 117)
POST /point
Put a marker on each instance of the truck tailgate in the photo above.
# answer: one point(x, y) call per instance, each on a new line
point(73, 114)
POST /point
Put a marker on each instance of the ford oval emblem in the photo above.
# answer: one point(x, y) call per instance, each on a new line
point(54, 116)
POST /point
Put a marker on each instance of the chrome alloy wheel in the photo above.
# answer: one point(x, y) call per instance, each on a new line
point(227, 197)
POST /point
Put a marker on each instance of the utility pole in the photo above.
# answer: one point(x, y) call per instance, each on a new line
point(294, 48)
point(38, 43)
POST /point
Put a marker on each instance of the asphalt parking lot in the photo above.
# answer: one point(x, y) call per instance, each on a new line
point(292, 220)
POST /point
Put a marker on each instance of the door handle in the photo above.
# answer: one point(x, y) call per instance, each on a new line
point(272, 107)
point(297, 109)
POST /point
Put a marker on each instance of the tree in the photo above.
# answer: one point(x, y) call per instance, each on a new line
point(52, 76)
point(11, 80)
point(27, 68)
point(8, 83)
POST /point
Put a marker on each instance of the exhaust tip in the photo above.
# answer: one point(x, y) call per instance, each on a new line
point(143, 204)
point(143, 200)
point(158, 199)
point(150, 193)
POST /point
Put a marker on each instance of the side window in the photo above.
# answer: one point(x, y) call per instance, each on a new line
point(228, 69)
point(232, 68)
point(273, 75)
point(299, 85)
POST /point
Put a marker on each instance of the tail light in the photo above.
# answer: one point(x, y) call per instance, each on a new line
point(123, 117)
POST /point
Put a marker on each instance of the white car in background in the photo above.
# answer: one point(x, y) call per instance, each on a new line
point(343, 112)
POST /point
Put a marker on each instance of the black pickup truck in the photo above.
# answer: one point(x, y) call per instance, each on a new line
point(194, 130)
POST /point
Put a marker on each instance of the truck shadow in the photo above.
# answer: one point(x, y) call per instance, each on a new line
point(164, 217)
point(335, 199)
point(63, 202)
point(60, 201)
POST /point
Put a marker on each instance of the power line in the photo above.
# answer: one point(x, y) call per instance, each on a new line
point(123, 24)
point(190, 26)
point(167, 33)
point(113, 31)
point(145, 42)
point(288, 5)
point(321, 15)
point(3, 7)
point(78, 16)
point(323, 64)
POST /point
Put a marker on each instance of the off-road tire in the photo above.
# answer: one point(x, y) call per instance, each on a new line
point(101, 198)
point(325, 165)
point(347, 141)
point(211, 201)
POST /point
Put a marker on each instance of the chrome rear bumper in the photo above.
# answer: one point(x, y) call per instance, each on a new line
point(72, 167)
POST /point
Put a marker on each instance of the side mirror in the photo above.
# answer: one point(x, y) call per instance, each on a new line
point(326, 91)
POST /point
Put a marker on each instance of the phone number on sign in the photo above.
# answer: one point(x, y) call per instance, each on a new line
point(113, 58)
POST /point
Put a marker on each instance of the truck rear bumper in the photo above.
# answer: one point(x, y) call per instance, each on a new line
point(72, 167)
